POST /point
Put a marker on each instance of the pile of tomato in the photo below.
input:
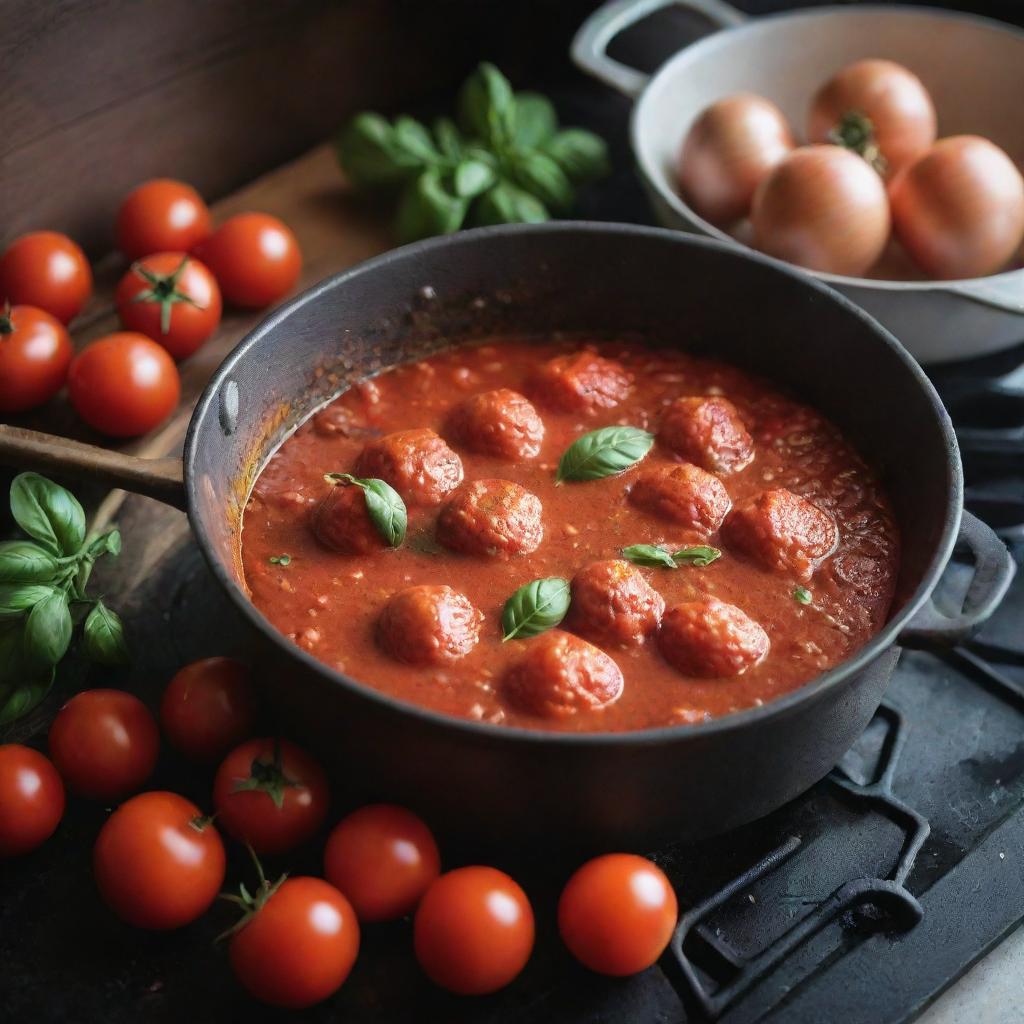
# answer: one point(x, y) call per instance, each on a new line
point(169, 302)
point(159, 860)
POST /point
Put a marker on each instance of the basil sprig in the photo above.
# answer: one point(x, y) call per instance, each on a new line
point(535, 608)
point(42, 594)
point(603, 452)
point(504, 162)
point(802, 595)
point(383, 503)
point(656, 556)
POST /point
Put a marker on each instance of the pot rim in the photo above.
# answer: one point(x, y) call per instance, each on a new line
point(724, 37)
point(205, 412)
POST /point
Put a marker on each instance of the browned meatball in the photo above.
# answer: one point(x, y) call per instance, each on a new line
point(560, 675)
point(417, 463)
point(782, 531)
point(580, 382)
point(613, 603)
point(491, 517)
point(428, 625)
point(711, 639)
point(684, 494)
point(501, 423)
point(708, 432)
point(341, 522)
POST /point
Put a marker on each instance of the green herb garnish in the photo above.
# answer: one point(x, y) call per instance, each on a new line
point(280, 559)
point(384, 504)
point(802, 595)
point(653, 556)
point(535, 608)
point(604, 452)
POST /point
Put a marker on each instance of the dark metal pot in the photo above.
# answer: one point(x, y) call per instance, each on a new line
point(593, 790)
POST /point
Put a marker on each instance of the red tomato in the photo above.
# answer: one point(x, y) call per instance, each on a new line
point(617, 914)
point(383, 858)
point(124, 384)
point(255, 258)
point(35, 353)
point(159, 216)
point(31, 799)
point(158, 862)
point(104, 743)
point(473, 931)
point(208, 708)
point(270, 794)
point(171, 297)
point(47, 270)
point(299, 944)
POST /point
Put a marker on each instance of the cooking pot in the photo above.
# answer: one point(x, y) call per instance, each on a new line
point(973, 68)
point(597, 789)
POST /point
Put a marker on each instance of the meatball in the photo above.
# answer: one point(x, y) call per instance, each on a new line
point(491, 517)
point(501, 423)
point(708, 432)
point(580, 382)
point(560, 675)
point(711, 639)
point(428, 625)
point(782, 531)
point(684, 494)
point(613, 603)
point(342, 523)
point(417, 463)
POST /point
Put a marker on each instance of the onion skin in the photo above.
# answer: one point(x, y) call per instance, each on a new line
point(729, 150)
point(823, 208)
point(959, 209)
point(890, 96)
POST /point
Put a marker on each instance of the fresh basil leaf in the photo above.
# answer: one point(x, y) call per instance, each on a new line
point(535, 608)
point(18, 598)
point(802, 595)
point(21, 561)
point(582, 155)
point(17, 699)
point(414, 138)
point(448, 139)
point(699, 556)
point(650, 556)
point(541, 176)
point(536, 120)
point(427, 208)
point(505, 203)
point(384, 504)
point(48, 630)
point(487, 106)
point(48, 513)
point(108, 543)
point(284, 560)
point(473, 177)
point(103, 636)
point(370, 155)
point(604, 452)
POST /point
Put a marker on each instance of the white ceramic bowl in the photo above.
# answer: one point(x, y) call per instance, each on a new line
point(973, 67)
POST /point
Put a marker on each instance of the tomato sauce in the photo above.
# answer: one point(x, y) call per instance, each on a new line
point(330, 603)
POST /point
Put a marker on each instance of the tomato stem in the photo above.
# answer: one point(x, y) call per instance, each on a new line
point(268, 777)
point(855, 131)
point(163, 289)
point(251, 904)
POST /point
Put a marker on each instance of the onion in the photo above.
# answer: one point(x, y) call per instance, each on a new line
point(822, 208)
point(728, 151)
point(880, 100)
point(959, 209)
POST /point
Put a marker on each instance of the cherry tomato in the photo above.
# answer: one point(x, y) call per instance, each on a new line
point(473, 931)
point(47, 270)
point(271, 794)
point(255, 258)
point(298, 945)
point(104, 744)
point(124, 384)
point(172, 298)
point(31, 799)
point(161, 215)
point(158, 862)
point(35, 353)
point(617, 914)
point(208, 708)
point(383, 858)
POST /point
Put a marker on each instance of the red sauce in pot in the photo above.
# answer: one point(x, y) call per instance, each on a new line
point(809, 547)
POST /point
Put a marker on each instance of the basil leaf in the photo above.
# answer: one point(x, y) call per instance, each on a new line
point(649, 555)
point(108, 543)
point(19, 698)
point(18, 598)
point(427, 208)
point(535, 608)
point(473, 177)
point(536, 120)
point(487, 106)
point(505, 203)
point(700, 556)
point(48, 630)
point(603, 452)
point(802, 595)
point(103, 636)
point(384, 504)
point(21, 561)
point(416, 141)
point(539, 175)
point(48, 513)
point(368, 152)
point(582, 155)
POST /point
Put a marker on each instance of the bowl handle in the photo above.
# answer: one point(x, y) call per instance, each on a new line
point(994, 568)
point(1004, 292)
point(592, 39)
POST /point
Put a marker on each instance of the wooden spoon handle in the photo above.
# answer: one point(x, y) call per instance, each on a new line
point(162, 479)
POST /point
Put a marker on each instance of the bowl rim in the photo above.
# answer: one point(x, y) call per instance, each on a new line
point(205, 417)
point(710, 45)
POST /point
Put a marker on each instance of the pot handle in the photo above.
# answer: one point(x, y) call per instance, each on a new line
point(1004, 292)
point(994, 568)
point(591, 41)
point(163, 479)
